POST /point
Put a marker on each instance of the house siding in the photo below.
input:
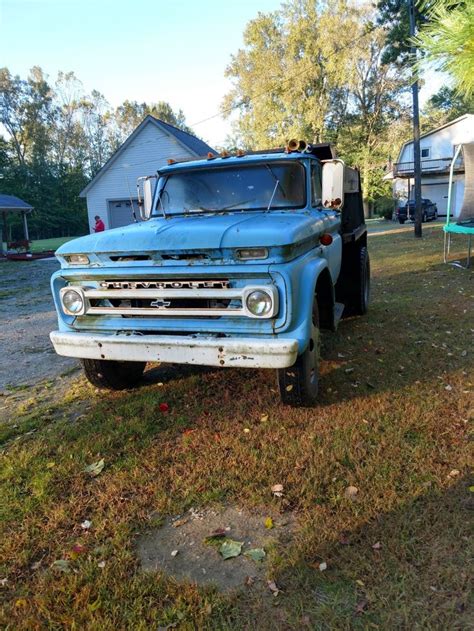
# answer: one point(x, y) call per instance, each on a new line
point(442, 143)
point(148, 151)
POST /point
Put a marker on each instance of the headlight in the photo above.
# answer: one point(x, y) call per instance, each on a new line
point(259, 303)
point(77, 259)
point(73, 301)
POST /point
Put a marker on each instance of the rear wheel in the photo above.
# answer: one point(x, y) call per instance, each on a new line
point(299, 383)
point(113, 375)
point(357, 303)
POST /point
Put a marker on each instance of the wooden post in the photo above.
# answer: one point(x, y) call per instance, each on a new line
point(5, 230)
point(25, 226)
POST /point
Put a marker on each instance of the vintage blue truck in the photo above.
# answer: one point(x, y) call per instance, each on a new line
point(237, 261)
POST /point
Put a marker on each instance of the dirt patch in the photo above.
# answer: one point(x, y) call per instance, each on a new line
point(180, 549)
point(27, 316)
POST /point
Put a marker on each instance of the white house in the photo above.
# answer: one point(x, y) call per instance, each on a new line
point(437, 150)
point(112, 191)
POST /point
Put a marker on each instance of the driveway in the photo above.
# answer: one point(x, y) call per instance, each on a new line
point(27, 316)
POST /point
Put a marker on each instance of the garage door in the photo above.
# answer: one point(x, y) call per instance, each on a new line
point(120, 212)
point(438, 193)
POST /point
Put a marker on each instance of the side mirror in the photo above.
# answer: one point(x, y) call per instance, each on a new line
point(338, 179)
point(333, 184)
point(145, 196)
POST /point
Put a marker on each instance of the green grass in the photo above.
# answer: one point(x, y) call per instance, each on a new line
point(49, 244)
point(397, 428)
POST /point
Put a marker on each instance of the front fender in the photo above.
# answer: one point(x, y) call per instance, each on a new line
point(300, 278)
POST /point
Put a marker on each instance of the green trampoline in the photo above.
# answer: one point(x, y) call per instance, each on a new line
point(465, 221)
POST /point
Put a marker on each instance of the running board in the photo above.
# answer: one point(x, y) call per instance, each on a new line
point(338, 311)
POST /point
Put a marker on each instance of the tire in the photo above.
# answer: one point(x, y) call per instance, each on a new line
point(424, 218)
point(402, 221)
point(357, 303)
point(113, 375)
point(435, 216)
point(299, 384)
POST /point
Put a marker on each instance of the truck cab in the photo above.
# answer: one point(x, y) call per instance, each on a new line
point(240, 261)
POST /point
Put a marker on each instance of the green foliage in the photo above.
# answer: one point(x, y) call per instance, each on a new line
point(57, 138)
point(447, 41)
point(316, 71)
point(444, 106)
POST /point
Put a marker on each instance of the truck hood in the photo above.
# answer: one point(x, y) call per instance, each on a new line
point(206, 232)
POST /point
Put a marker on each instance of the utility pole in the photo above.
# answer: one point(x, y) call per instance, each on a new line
point(416, 128)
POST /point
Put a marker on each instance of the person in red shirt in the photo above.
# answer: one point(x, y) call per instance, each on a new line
point(99, 224)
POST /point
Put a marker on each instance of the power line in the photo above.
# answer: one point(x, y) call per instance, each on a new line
point(282, 82)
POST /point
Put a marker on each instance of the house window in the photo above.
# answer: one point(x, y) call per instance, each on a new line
point(425, 153)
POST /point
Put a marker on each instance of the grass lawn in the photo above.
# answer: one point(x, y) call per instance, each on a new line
point(393, 421)
point(49, 244)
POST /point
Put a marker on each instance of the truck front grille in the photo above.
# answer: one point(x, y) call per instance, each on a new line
point(171, 298)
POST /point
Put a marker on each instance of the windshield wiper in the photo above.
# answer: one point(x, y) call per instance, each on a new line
point(277, 183)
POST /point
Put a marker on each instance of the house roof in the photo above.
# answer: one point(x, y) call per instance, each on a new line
point(192, 144)
point(434, 131)
point(12, 203)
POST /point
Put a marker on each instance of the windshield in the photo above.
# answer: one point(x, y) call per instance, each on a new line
point(262, 186)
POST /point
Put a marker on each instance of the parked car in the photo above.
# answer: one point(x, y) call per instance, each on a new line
point(428, 208)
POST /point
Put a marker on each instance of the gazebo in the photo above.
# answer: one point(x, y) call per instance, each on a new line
point(12, 204)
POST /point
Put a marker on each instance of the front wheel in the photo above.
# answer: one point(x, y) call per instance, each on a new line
point(113, 375)
point(299, 383)
point(402, 221)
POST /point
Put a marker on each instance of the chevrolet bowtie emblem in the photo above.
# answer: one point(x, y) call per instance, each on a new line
point(160, 303)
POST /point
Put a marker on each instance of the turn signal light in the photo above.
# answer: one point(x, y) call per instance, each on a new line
point(325, 239)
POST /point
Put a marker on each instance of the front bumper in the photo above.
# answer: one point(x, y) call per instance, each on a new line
point(200, 350)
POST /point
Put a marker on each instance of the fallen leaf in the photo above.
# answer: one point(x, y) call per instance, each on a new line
point(264, 418)
point(273, 588)
point(62, 565)
point(361, 606)
point(246, 430)
point(249, 580)
point(323, 566)
point(454, 473)
point(289, 388)
point(360, 583)
point(180, 522)
point(3, 581)
point(164, 407)
point(20, 602)
point(448, 388)
point(268, 523)
point(231, 548)
point(95, 468)
point(86, 524)
point(78, 548)
point(256, 554)
point(101, 564)
point(50, 465)
point(471, 489)
point(277, 490)
point(377, 546)
point(174, 553)
point(351, 492)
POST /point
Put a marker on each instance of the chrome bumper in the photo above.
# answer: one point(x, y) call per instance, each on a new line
point(203, 351)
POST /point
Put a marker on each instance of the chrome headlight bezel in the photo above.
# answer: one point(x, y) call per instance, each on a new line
point(270, 292)
point(251, 254)
point(82, 299)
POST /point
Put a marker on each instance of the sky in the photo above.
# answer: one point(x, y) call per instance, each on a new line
point(143, 50)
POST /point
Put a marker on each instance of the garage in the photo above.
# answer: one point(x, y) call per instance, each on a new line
point(109, 194)
point(438, 193)
point(121, 212)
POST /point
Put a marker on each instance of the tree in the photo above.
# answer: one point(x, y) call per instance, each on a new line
point(315, 71)
point(131, 113)
point(289, 79)
point(444, 106)
point(447, 41)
